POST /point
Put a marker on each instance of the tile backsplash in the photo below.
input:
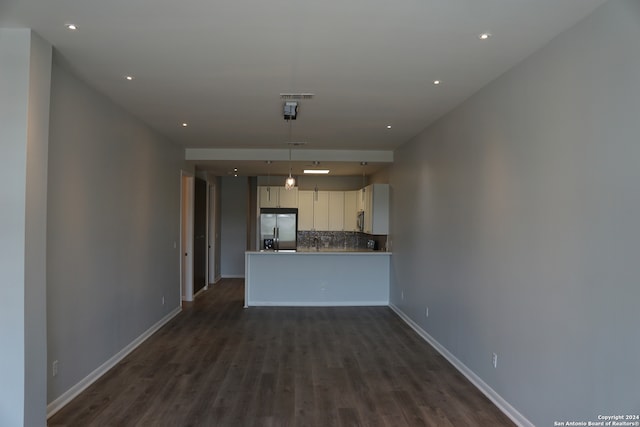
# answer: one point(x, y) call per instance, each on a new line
point(338, 240)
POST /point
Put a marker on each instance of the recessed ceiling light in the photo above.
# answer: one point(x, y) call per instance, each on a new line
point(388, 126)
point(317, 171)
point(71, 27)
point(436, 82)
point(185, 124)
point(129, 78)
point(235, 169)
point(484, 36)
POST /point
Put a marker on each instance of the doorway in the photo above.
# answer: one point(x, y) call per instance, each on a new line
point(186, 235)
point(200, 236)
point(212, 235)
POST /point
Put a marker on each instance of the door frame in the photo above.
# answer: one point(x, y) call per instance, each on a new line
point(211, 233)
point(187, 182)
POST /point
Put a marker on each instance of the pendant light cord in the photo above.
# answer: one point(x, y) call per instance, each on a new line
point(290, 182)
point(290, 133)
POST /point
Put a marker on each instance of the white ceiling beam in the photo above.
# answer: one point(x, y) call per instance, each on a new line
point(297, 154)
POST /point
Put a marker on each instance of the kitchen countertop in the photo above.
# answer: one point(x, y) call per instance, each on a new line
point(322, 251)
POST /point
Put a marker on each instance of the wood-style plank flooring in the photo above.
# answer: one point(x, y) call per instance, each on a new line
point(217, 364)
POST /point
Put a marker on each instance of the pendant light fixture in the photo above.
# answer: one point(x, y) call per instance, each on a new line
point(290, 182)
point(363, 164)
point(268, 162)
point(315, 190)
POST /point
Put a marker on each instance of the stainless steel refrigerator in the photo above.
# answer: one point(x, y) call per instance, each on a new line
point(278, 228)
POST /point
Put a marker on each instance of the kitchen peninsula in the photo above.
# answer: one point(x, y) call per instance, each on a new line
point(317, 278)
point(318, 248)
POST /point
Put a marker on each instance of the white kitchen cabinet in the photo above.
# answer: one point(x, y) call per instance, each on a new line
point(362, 199)
point(277, 197)
point(351, 210)
point(305, 210)
point(268, 197)
point(336, 210)
point(376, 216)
point(287, 198)
point(320, 210)
point(313, 210)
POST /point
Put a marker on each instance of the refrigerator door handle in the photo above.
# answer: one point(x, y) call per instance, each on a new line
point(276, 238)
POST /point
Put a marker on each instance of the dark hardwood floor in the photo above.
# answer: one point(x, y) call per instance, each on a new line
point(217, 364)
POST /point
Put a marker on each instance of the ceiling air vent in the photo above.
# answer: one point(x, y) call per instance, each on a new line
point(288, 96)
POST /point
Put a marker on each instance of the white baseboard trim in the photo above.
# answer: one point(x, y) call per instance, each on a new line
point(74, 391)
point(317, 304)
point(232, 276)
point(203, 289)
point(497, 400)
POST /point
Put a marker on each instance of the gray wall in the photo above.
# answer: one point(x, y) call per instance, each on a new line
point(380, 177)
point(515, 219)
point(25, 70)
point(252, 208)
point(234, 193)
point(14, 84)
point(36, 231)
point(114, 216)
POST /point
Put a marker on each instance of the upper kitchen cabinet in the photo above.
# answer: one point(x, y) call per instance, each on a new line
point(277, 197)
point(336, 211)
point(320, 210)
point(288, 198)
point(268, 197)
point(351, 210)
point(362, 199)
point(333, 210)
point(305, 210)
point(376, 211)
point(313, 210)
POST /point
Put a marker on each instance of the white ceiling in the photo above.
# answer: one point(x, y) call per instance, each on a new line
point(221, 65)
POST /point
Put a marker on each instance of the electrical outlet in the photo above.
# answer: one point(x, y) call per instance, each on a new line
point(426, 312)
point(162, 299)
point(494, 360)
point(54, 368)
